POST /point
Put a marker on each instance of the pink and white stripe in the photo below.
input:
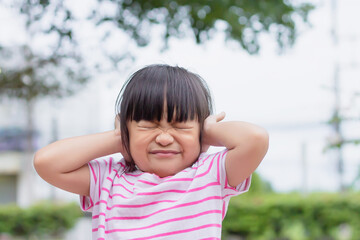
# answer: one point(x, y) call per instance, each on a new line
point(139, 205)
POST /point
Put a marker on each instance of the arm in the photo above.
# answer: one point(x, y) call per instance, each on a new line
point(247, 145)
point(64, 163)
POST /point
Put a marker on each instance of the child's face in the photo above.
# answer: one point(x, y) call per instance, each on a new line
point(164, 148)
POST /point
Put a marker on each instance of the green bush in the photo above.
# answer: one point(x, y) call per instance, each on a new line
point(292, 216)
point(38, 220)
point(259, 185)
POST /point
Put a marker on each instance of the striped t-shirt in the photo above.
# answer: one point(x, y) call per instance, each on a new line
point(140, 205)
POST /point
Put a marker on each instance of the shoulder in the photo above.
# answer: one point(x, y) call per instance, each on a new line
point(213, 156)
point(211, 162)
point(114, 162)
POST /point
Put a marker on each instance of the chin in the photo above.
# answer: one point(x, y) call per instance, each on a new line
point(166, 173)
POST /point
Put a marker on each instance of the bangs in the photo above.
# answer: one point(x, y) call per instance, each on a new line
point(148, 90)
point(185, 98)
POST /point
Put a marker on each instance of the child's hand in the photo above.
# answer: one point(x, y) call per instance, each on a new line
point(118, 133)
point(209, 122)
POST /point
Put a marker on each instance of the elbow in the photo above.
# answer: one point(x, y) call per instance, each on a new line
point(261, 141)
point(39, 161)
point(262, 135)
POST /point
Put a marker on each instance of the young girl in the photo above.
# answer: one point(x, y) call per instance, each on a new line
point(166, 186)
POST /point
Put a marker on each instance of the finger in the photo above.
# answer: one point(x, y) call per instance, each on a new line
point(220, 116)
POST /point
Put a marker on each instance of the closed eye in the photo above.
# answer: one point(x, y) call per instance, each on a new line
point(183, 126)
point(146, 125)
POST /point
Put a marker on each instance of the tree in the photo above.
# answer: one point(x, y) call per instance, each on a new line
point(243, 21)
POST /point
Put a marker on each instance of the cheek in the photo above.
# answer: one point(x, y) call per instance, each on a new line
point(139, 144)
point(137, 152)
point(136, 144)
point(192, 143)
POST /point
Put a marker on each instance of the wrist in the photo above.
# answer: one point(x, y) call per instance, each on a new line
point(210, 135)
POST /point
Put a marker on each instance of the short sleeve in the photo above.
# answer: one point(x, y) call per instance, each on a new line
point(219, 169)
point(100, 170)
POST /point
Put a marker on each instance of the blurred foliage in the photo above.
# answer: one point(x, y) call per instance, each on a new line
point(293, 216)
point(43, 219)
point(244, 20)
point(259, 185)
point(34, 76)
point(55, 69)
point(34, 73)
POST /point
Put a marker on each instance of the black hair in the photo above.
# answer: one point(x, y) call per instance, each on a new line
point(143, 96)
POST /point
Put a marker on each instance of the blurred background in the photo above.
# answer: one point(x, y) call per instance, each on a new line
point(289, 66)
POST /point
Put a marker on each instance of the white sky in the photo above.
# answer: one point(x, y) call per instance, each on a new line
point(287, 94)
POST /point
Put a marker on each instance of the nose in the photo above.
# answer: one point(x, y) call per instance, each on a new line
point(164, 139)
